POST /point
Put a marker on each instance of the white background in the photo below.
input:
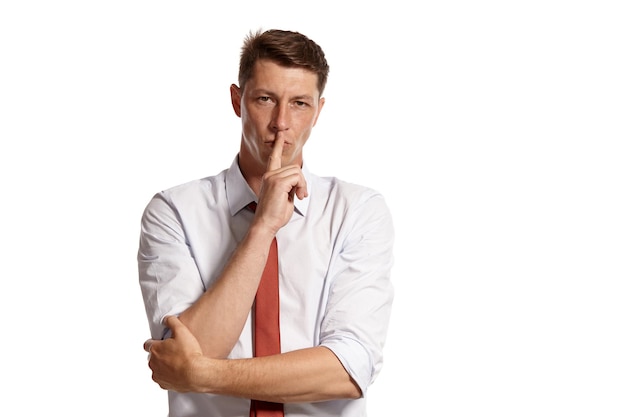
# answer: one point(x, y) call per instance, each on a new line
point(494, 129)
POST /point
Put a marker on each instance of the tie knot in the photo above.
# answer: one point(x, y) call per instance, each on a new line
point(252, 206)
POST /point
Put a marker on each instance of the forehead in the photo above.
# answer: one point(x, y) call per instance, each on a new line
point(269, 75)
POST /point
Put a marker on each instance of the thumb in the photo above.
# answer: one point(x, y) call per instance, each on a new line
point(182, 333)
point(174, 324)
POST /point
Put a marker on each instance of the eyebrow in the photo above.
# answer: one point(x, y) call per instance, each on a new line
point(262, 91)
point(303, 97)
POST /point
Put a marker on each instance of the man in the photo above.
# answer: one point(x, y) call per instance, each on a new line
point(203, 251)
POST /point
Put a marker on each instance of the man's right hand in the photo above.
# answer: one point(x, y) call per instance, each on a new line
point(173, 360)
point(280, 185)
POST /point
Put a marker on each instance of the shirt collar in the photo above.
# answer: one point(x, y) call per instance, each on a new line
point(239, 194)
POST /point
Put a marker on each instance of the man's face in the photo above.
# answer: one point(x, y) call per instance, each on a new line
point(277, 102)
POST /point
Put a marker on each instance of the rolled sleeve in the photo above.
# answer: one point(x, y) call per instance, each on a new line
point(168, 276)
point(361, 293)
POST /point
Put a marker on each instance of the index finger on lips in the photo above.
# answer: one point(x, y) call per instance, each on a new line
point(274, 161)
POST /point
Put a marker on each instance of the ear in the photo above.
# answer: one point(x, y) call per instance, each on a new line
point(235, 98)
point(319, 109)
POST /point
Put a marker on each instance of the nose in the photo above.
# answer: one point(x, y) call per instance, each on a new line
point(280, 118)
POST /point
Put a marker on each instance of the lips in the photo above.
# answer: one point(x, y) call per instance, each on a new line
point(271, 143)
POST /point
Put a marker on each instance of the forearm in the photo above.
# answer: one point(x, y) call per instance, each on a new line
point(218, 317)
point(306, 375)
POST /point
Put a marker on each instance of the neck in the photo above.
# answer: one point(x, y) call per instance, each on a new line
point(253, 178)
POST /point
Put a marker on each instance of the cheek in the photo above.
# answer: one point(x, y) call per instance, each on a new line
point(304, 135)
point(254, 121)
point(249, 127)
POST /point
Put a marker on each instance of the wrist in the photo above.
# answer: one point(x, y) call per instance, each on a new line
point(202, 375)
point(261, 233)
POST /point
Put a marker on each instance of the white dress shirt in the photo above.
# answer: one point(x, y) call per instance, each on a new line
point(335, 257)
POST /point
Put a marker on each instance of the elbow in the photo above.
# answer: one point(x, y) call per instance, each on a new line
point(353, 391)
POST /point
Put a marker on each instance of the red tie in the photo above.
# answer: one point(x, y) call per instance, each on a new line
point(267, 325)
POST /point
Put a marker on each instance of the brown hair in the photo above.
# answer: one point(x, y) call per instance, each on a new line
point(286, 48)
